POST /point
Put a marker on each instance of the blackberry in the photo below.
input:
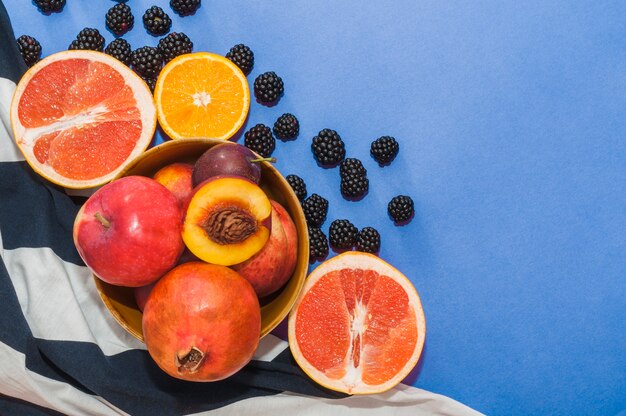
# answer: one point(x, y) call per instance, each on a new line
point(50, 6)
point(318, 244)
point(156, 21)
point(354, 186)
point(147, 61)
point(268, 87)
point(328, 148)
point(30, 49)
point(352, 167)
point(119, 19)
point(174, 44)
point(120, 50)
point(259, 138)
point(88, 39)
point(185, 7)
point(368, 240)
point(342, 234)
point(401, 208)
point(151, 82)
point(384, 150)
point(315, 209)
point(242, 56)
point(298, 186)
point(286, 127)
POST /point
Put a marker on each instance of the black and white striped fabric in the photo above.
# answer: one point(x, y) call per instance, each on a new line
point(62, 353)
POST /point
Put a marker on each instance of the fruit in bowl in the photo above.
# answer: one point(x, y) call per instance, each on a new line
point(120, 300)
point(202, 322)
point(128, 232)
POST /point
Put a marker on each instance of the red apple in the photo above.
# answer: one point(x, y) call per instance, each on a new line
point(269, 269)
point(129, 231)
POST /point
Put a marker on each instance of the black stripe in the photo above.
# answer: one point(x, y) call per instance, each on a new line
point(10, 406)
point(12, 65)
point(34, 213)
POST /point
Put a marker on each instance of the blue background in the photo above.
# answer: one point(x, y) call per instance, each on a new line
point(511, 120)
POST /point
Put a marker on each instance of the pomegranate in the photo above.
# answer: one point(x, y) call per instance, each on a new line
point(202, 322)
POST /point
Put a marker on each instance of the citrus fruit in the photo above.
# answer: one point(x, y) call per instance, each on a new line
point(201, 94)
point(358, 326)
point(79, 117)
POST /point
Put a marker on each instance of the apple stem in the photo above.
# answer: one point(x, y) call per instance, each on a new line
point(264, 159)
point(105, 223)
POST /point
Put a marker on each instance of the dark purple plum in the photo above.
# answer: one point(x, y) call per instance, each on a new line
point(228, 159)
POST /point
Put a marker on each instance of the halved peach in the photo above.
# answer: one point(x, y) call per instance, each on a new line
point(228, 220)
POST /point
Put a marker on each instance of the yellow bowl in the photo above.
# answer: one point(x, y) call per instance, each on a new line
point(120, 301)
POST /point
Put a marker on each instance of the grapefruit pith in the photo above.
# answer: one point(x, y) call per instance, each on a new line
point(358, 326)
point(79, 117)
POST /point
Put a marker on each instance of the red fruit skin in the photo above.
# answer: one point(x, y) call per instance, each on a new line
point(143, 240)
point(177, 178)
point(291, 256)
point(270, 268)
point(206, 306)
point(141, 294)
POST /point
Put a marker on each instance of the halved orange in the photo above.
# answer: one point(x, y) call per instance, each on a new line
point(79, 117)
point(201, 94)
point(358, 326)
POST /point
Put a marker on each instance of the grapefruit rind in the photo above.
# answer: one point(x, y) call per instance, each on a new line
point(347, 383)
point(143, 98)
point(160, 87)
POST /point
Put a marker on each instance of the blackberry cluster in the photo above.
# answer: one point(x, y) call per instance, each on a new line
point(151, 83)
point(298, 186)
point(315, 210)
point(174, 44)
point(401, 208)
point(30, 49)
point(268, 87)
point(147, 61)
point(259, 139)
point(342, 234)
point(185, 7)
point(120, 49)
point(156, 21)
point(88, 39)
point(384, 150)
point(328, 148)
point(286, 127)
point(354, 182)
point(120, 19)
point(318, 244)
point(50, 6)
point(368, 240)
point(242, 56)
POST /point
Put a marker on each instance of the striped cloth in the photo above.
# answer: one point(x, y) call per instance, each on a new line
point(62, 352)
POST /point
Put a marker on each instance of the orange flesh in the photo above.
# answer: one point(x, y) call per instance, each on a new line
point(353, 318)
point(202, 98)
point(81, 106)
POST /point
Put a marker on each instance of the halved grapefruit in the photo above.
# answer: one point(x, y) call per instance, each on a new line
point(358, 326)
point(79, 117)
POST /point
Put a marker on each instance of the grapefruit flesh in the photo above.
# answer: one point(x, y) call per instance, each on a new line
point(79, 117)
point(358, 325)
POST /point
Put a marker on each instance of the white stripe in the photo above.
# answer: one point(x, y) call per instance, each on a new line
point(400, 401)
point(60, 301)
point(269, 347)
point(18, 381)
point(8, 149)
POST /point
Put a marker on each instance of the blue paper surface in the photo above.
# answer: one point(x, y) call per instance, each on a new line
point(511, 119)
